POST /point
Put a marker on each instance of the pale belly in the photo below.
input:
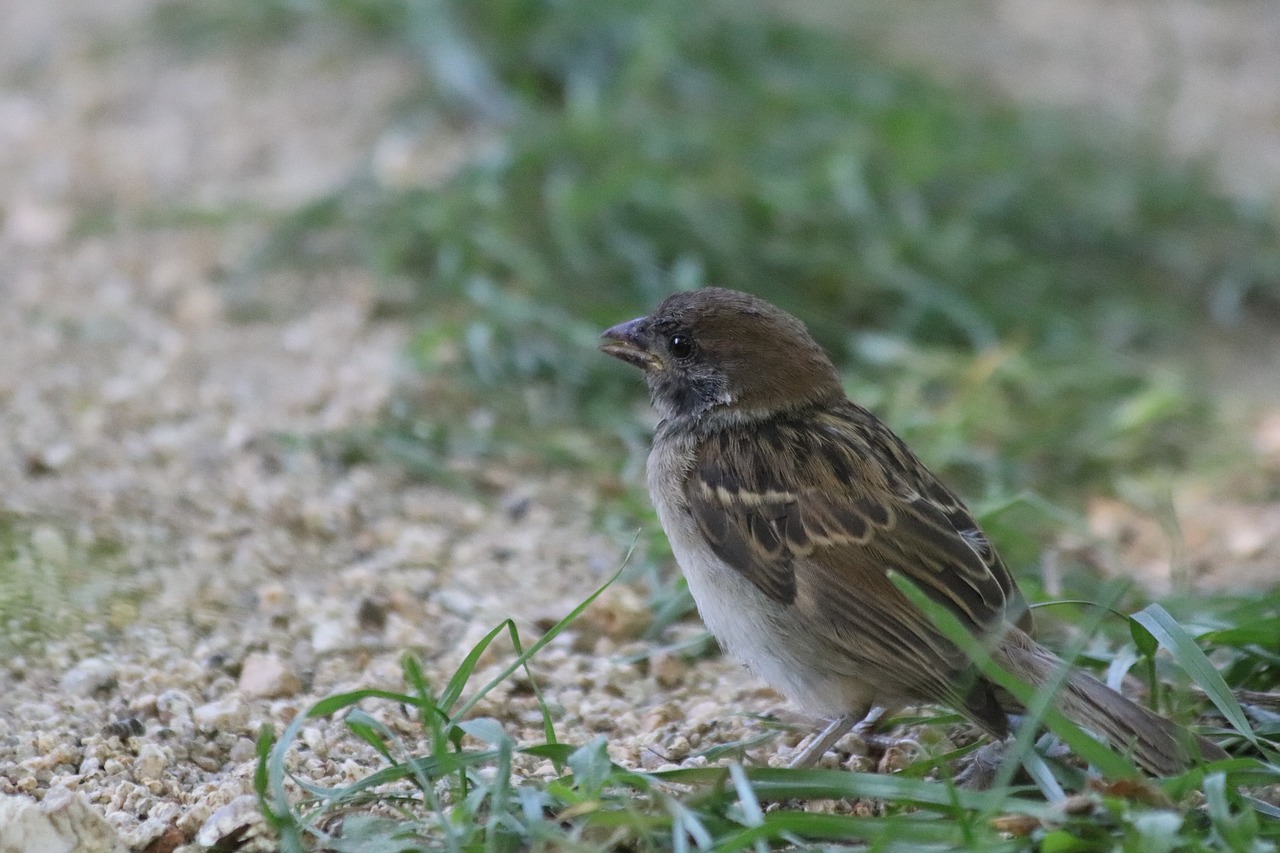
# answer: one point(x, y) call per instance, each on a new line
point(774, 640)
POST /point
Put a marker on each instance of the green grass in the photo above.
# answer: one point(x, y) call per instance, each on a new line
point(1015, 291)
point(457, 790)
point(998, 281)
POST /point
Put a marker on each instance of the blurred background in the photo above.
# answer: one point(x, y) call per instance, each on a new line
point(299, 305)
point(1039, 238)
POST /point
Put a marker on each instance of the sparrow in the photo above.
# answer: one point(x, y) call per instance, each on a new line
point(787, 507)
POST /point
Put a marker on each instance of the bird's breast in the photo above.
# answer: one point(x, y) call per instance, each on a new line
point(773, 639)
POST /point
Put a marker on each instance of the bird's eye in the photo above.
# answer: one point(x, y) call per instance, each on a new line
point(681, 346)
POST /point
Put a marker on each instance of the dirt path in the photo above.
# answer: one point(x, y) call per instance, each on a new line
point(154, 468)
point(184, 566)
point(148, 471)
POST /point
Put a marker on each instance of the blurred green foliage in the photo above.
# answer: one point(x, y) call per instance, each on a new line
point(51, 578)
point(995, 280)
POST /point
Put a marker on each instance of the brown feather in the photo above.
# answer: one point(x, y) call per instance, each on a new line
point(850, 518)
point(809, 510)
point(787, 506)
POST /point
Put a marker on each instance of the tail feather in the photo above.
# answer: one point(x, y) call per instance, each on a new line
point(1160, 747)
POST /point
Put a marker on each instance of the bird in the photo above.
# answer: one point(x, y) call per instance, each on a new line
point(789, 508)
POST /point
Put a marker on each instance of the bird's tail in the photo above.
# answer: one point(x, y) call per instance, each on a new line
point(1157, 745)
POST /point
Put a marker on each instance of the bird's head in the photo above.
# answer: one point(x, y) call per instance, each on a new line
point(720, 353)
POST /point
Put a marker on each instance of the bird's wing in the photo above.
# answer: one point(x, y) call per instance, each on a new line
point(816, 511)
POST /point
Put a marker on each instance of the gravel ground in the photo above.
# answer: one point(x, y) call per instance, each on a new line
point(203, 568)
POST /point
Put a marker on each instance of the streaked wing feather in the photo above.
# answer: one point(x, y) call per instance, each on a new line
point(823, 503)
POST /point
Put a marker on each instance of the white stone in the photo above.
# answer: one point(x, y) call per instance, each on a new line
point(150, 764)
point(264, 676)
point(63, 823)
point(227, 714)
point(241, 812)
point(88, 677)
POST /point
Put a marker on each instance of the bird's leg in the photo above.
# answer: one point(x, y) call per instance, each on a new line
point(836, 729)
point(823, 740)
point(978, 769)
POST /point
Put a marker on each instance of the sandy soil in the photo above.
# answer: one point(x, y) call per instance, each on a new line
point(187, 566)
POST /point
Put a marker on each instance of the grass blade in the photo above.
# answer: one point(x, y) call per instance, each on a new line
point(773, 784)
point(1037, 702)
point(1189, 656)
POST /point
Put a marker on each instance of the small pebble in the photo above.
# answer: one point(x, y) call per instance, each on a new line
point(265, 676)
point(88, 677)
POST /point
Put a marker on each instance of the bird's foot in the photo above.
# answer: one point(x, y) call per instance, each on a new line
point(979, 768)
point(836, 729)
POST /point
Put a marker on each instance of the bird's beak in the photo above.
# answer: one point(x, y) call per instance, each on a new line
point(627, 342)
